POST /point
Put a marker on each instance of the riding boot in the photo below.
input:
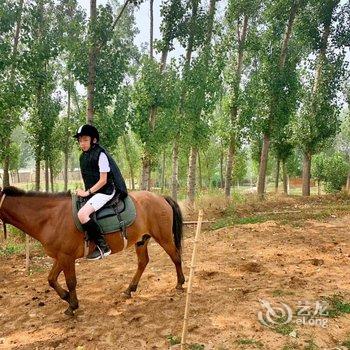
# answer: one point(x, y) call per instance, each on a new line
point(94, 233)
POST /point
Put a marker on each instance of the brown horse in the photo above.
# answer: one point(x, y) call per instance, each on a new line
point(48, 218)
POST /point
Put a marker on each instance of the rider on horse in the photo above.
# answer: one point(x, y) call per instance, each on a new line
point(102, 180)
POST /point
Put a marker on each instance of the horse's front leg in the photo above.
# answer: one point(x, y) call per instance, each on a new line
point(53, 275)
point(71, 281)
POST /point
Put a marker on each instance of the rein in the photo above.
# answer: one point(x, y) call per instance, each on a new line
point(3, 222)
point(2, 200)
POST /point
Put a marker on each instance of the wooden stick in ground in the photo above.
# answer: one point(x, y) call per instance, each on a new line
point(189, 287)
point(27, 254)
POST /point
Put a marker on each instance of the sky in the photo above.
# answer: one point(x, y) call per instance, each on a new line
point(142, 21)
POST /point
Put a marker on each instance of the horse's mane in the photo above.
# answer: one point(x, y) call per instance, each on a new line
point(12, 191)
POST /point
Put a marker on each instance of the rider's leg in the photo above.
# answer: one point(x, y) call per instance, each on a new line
point(94, 232)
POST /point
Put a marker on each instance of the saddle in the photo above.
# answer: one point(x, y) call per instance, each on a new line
point(114, 216)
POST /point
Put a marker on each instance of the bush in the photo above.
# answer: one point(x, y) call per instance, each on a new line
point(332, 169)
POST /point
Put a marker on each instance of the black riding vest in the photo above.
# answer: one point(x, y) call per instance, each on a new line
point(90, 170)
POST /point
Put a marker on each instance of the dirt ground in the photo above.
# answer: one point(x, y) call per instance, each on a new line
point(237, 268)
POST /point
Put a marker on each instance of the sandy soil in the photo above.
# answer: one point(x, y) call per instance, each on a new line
point(237, 267)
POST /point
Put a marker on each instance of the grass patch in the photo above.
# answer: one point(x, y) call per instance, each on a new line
point(196, 347)
point(281, 293)
point(256, 343)
point(346, 343)
point(11, 248)
point(311, 345)
point(295, 219)
point(173, 339)
point(282, 327)
point(337, 306)
point(230, 221)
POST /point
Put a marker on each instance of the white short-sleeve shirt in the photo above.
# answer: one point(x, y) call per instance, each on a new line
point(103, 163)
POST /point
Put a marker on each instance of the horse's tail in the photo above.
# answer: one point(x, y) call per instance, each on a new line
point(177, 223)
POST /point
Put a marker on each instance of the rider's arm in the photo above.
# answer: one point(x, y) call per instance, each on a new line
point(100, 183)
point(104, 170)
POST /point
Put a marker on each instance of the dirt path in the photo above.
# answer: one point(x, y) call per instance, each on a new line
point(237, 267)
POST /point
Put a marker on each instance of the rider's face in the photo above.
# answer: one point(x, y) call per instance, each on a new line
point(85, 143)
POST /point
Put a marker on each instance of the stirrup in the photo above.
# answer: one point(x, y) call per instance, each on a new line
point(101, 254)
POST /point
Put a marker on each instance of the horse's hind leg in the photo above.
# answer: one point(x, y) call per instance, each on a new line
point(143, 259)
point(52, 279)
point(169, 246)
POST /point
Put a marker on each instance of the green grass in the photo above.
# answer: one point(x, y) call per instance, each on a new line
point(281, 293)
point(173, 339)
point(337, 306)
point(283, 329)
point(12, 248)
point(311, 345)
point(290, 347)
point(346, 343)
point(295, 219)
point(230, 221)
point(255, 343)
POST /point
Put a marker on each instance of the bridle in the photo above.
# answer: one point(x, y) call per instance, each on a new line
point(1, 203)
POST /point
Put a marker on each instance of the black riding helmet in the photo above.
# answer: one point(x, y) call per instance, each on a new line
point(88, 130)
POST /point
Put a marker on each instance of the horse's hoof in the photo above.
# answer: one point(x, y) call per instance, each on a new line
point(69, 312)
point(126, 295)
point(179, 288)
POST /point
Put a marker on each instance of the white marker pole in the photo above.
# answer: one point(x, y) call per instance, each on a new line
point(189, 287)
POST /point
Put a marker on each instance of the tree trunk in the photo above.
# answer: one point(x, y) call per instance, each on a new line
point(288, 32)
point(37, 170)
point(263, 166)
point(66, 147)
point(322, 55)
point(51, 178)
point(128, 160)
point(348, 183)
point(175, 171)
point(319, 187)
point(146, 160)
point(145, 176)
point(285, 177)
point(188, 57)
point(222, 169)
point(92, 64)
point(7, 143)
point(229, 167)
point(306, 174)
point(282, 61)
point(191, 179)
point(6, 164)
point(200, 179)
point(277, 175)
point(47, 176)
point(163, 172)
point(241, 38)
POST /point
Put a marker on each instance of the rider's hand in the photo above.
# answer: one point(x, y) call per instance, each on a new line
point(82, 193)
